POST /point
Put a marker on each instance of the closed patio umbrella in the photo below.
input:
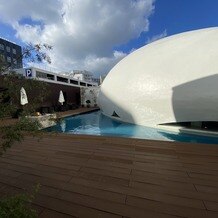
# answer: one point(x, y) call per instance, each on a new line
point(61, 97)
point(23, 96)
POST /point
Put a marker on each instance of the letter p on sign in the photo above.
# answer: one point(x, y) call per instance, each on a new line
point(28, 73)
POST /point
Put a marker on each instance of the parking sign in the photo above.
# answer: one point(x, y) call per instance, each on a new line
point(28, 73)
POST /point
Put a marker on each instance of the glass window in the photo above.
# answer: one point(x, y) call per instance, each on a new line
point(8, 59)
point(8, 49)
point(50, 76)
point(74, 82)
point(2, 57)
point(82, 84)
point(40, 74)
point(14, 61)
point(2, 47)
point(62, 79)
point(14, 51)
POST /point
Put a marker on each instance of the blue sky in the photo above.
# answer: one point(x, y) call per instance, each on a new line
point(184, 15)
point(95, 36)
point(176, 16)
point(8, 32)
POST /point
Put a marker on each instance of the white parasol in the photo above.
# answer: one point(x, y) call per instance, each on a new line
point(23, 97)
point(61, 97)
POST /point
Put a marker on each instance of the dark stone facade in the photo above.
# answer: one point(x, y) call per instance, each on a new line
point(11, 53)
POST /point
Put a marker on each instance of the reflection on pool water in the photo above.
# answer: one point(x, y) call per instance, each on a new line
point(95, 123)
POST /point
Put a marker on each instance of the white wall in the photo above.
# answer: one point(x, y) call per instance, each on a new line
point(174, 79)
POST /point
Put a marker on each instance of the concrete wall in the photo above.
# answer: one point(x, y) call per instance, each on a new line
point(89, 93)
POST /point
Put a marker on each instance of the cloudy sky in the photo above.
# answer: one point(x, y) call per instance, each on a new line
point(95, 34)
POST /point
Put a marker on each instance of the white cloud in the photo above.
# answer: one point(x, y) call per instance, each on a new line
point(83, 32)
point(156, 37)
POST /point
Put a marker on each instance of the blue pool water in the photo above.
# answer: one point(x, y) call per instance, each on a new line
point(95, 123)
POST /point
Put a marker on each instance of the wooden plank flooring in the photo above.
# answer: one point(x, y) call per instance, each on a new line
point(87, 176)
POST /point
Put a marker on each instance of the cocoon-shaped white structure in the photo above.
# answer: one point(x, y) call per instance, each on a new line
point(174, 79)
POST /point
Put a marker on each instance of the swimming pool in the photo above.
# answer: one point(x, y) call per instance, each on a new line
point(95, 123)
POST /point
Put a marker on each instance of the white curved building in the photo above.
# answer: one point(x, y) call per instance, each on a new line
point(172, 80)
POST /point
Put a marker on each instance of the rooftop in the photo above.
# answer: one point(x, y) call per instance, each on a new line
point(9, 41)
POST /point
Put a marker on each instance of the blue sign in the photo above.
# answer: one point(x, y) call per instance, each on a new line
point(29, 73)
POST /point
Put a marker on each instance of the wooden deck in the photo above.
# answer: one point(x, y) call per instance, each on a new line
point(85, 176)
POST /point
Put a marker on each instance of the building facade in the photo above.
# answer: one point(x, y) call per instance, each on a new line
point(11, 54)
point(50, 77)
point(70, 87)
point(82, 75)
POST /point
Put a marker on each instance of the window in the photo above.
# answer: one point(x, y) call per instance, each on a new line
point(43, 75)
point(2, 57)
point(62, 79)
point(89, 84)
point(2, 47)
point(14, 61)
point(8, 49)
point(115, 114)
point(82, 84)
point(50, 76)
point(14, 51)
point(74, 82)
point(8, 59)
point(40, 74)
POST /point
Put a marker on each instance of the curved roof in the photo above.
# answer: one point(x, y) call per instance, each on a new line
point(174, 79)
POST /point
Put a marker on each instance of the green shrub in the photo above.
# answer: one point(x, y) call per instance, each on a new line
point(18, 206)
point(15, 133)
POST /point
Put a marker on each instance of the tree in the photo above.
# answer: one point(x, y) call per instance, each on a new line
point(19, 206)
point(10, 94)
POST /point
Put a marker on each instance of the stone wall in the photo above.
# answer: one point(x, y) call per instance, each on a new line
point(89, 93)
